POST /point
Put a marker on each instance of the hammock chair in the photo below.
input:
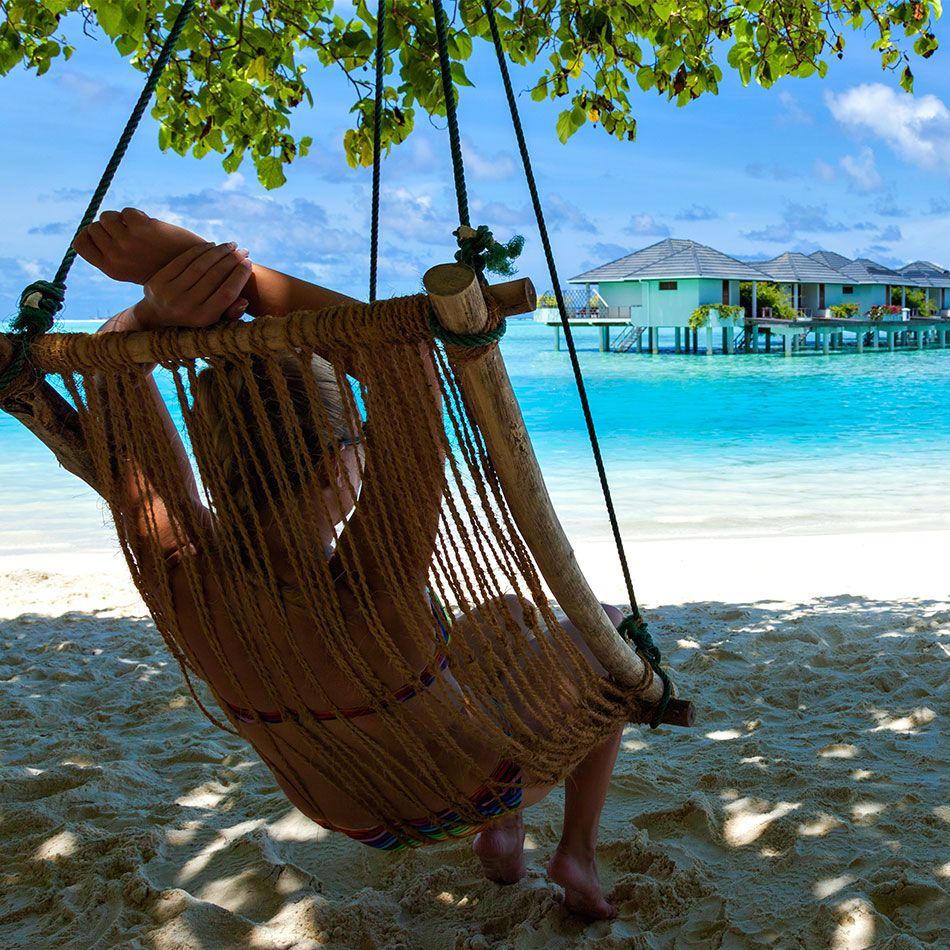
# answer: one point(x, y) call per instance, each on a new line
point(525, 689)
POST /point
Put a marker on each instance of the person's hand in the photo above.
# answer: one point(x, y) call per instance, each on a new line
point(201, 286)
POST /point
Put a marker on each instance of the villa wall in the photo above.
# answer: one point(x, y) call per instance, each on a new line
point(866, 296)
point(652, 307)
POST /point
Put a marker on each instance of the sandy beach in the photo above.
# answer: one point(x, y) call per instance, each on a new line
point(809, 807)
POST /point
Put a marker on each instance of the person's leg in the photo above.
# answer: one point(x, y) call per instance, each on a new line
point(500, 849)
point(574, 865)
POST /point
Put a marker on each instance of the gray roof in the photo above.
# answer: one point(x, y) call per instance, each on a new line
point(831, 259)
point(671, 258)
point(793, 267)
point(866, 271)
point(924, 274)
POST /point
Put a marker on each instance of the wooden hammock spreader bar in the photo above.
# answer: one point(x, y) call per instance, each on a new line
point(457, 299)
point(399, 319)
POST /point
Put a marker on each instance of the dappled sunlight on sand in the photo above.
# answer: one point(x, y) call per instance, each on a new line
point(807, 809)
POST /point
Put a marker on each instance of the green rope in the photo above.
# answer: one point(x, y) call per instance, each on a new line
point(477, 247)
point(633, 628)
point(448, 91)
point(35, 319)
point(377, 145)
point(467, 340)
point(39, 303)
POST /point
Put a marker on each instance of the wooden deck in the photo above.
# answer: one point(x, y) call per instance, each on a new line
point(815, 334)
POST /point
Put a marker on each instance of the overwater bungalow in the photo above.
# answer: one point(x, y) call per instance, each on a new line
point(663, 285)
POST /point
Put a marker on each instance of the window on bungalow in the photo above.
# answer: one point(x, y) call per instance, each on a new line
point(847, 290)
point(668, 285)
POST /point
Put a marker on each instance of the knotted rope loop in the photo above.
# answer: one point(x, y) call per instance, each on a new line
point(465, 341)
point(633, 628)
point(479, 249)
point(39, 303)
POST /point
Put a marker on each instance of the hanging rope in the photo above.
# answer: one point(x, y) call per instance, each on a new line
point(448, 92)
point(477, 246)
point(377, 145)
point(43, 299)
point(634, 628)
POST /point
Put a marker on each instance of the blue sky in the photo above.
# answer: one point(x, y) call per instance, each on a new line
point(849, 163)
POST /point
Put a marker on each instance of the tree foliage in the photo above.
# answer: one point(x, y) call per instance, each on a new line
point(242, 65)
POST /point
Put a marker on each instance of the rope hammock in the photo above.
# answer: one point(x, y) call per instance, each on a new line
point(313, 659)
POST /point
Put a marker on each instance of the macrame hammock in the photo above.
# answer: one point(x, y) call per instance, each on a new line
point(496, 535)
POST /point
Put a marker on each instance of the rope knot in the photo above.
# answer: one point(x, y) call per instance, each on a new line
point(39, 303)
point(633, 628)
point(479, 249)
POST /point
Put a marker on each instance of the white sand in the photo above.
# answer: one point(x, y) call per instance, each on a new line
point(809, 808)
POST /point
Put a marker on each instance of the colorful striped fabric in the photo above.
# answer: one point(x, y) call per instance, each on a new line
point(500, 794)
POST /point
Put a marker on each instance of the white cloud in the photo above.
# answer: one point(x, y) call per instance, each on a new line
point(862, 172)
point(483, 168)
point(823, 171)
point(561, 213)
point(646, 224)
point(917, 128)
point(793, 111)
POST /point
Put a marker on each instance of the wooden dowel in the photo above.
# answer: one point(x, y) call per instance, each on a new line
point(457, 299)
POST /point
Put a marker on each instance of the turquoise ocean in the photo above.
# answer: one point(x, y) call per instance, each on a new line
point(694, 446)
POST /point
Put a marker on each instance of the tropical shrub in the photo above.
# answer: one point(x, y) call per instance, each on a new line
point(700, 316)
point(842, 311)
point(880, 310)
point(769, 295)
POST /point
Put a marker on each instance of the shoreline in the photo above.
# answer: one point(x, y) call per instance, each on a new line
point(791, 568)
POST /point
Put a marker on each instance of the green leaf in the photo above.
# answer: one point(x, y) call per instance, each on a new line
point(111, 17)
point(907, 80)
point(565, 126)
point(646, 78)
point(270, 172)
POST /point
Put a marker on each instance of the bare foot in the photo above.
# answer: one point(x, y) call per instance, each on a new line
point(131, 246)
point(500, 849)
point(582, 893)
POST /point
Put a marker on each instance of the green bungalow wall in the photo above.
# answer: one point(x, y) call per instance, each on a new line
point(651, 306)
point(866, 296)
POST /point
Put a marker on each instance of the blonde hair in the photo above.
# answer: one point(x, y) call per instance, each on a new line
point(334, 420)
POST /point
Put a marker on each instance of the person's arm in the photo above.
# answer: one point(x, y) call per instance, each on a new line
point(194, 290)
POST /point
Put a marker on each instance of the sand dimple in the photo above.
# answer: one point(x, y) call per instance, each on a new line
point(807, 809)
